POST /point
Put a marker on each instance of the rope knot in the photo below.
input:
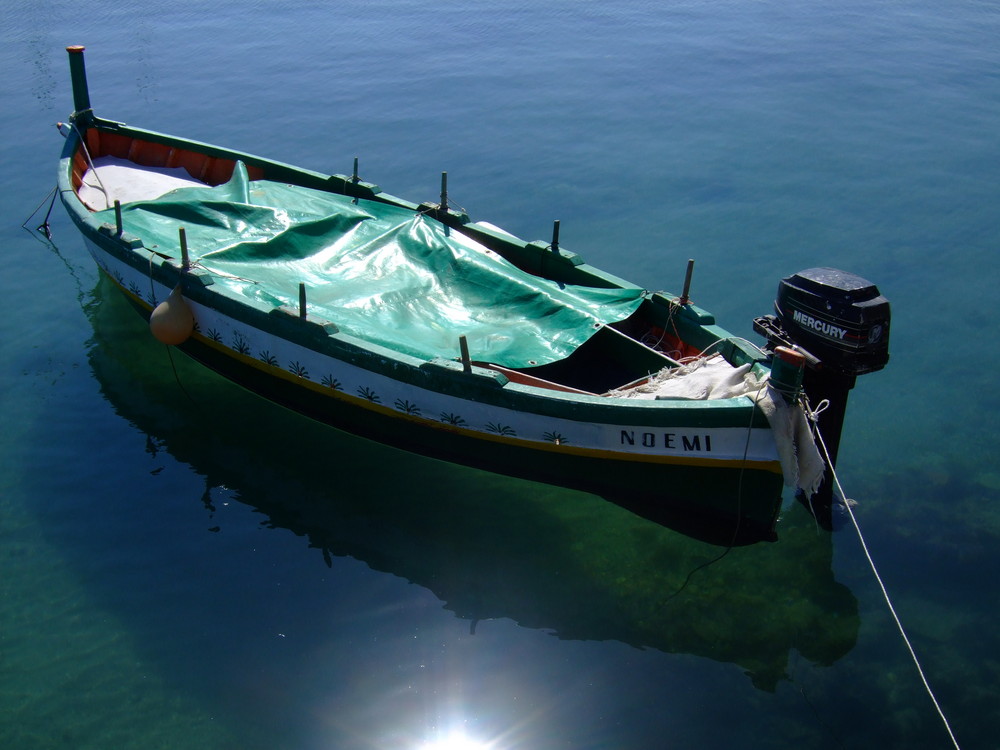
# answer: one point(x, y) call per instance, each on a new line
point(813, 414)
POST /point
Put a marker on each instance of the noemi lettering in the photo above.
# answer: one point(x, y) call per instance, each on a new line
point(820, 326)
point(668, 440)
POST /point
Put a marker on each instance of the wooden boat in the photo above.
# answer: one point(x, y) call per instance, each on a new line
point(415, 326)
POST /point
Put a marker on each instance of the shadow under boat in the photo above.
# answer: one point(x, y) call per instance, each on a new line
point(488, 546)
point(719, 531)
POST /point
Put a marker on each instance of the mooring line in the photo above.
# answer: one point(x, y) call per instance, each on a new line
point(44, 226)
point(878, 578)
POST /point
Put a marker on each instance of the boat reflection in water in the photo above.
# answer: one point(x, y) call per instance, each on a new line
point(487, 546)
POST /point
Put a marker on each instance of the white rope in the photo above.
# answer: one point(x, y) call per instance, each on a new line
point(885, 593)
point(731, 340)
point(93, 169)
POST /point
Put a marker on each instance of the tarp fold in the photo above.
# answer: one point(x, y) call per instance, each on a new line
point(382, 273)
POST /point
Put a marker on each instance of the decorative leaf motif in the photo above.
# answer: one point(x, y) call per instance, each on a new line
point(452, 419)
point(405, 406)
point(501, 429)
point(240, 343)
point(298, 369)
point(214, 335)
point(134, 288)
point(267, 358)
point(368, 393)
point(555, 437)
point(331, 382)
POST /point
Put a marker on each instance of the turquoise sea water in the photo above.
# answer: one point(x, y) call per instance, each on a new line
point(186, 566)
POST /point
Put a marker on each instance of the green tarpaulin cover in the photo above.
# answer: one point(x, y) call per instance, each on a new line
point(382, 273)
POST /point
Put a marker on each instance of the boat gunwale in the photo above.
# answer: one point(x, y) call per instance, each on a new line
point(439, 375)
point(618, 457)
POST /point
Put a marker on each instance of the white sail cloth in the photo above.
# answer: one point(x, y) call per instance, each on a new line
point(113, 179)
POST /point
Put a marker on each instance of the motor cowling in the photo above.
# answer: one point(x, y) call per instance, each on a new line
point(839, 322)
point(839, 318)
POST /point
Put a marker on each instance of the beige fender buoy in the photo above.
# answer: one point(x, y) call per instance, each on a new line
point(172, 321)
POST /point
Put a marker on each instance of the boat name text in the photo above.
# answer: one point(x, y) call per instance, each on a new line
point(669, 440)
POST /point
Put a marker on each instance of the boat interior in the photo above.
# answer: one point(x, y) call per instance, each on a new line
point(201, 166)
point(618, 356)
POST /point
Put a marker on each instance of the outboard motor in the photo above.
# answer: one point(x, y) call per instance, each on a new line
point(840, 323)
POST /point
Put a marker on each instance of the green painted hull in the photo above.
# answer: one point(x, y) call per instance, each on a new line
point(635, 484)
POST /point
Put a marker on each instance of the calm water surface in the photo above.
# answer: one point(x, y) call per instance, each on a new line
point(186, 566)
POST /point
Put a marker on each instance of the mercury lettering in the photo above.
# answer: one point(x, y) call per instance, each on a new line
point(820, 326)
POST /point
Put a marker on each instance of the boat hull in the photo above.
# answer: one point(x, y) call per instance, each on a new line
point(748, 492)
point(716, 458)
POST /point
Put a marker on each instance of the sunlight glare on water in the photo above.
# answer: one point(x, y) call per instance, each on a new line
point(457, 739)
point(160, 527)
